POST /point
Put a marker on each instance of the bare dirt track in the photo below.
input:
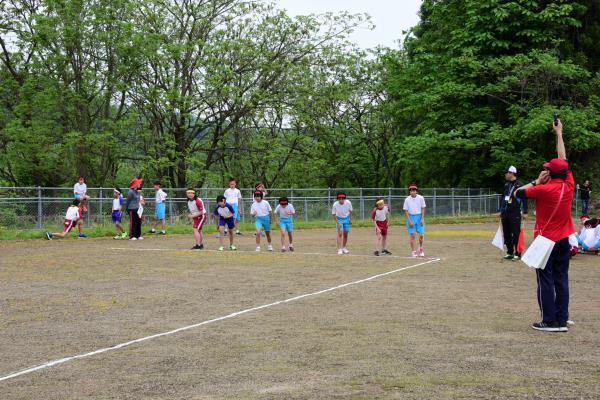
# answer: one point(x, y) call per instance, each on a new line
point(456, 328)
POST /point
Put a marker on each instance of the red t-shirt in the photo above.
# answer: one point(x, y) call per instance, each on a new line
point(547, 197)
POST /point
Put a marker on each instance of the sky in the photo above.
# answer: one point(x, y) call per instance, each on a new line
point(391, 17)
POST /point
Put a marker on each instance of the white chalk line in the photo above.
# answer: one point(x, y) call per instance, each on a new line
point(275, 252)
point(210, 321)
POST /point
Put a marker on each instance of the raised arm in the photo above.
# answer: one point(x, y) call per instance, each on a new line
point(560, 144)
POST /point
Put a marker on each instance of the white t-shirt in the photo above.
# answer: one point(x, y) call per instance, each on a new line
point(232, 196)
point(342, 210)
point(161, 196)
point(414, 205)
point(285, 212)
point(117, 203)
point(72, 213)
point(590, 236)
point(260, 208)
point(380, 215)
point(80, 188)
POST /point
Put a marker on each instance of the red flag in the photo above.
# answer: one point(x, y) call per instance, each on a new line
point(521, 244)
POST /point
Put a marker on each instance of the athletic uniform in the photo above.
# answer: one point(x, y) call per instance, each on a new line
point(414, 206)
point(342, 213)
point(286, 219)
point(226, 215)
point(116, 209)
point(72, 216)
point(79, 190)
point(196, 206)
point(233, 197)
point(159, 210)
point(262, 211)
point(380, 216)
point(510, 216)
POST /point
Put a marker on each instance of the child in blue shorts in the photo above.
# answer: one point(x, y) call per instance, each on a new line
point(261, 210)
point(414, 207)
point(225, 217)
point(117, 213)
point(159, 209)
point(285, 211)
point(342, 214)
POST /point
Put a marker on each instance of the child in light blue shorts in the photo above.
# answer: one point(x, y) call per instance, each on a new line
point(285, 211)
point(261, 210)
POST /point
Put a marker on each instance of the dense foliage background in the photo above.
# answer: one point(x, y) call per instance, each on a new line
point(195, 91)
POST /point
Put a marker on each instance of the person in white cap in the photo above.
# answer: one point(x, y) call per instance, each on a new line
point(510, 214)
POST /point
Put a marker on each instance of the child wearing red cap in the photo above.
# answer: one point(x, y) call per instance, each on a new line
point(342, 214)
point(133, 205)
point(414, 207)
point(197, 216)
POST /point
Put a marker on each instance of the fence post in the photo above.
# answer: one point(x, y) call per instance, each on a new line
point(171, 208)
point(39, 210)
point(390, 198)
point(305, 209)
point(452, 196)
point(101, 218)
point(329, 198)
point(434, 202)
point(362, 205)
point(469, 200)
point(576, 199)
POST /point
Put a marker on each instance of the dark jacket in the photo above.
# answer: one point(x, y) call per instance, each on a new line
point(585, 191)
point(133, 199)
point(509, 204)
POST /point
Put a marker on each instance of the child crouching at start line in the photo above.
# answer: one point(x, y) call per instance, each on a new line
point(380, 216)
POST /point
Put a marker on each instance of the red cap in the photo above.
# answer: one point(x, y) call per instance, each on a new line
point(557, 165)
point(413, 187)
point(135, 182)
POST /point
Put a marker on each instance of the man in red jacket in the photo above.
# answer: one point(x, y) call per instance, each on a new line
point(553, 192)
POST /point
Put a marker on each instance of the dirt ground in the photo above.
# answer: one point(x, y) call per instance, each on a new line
point(453, 328)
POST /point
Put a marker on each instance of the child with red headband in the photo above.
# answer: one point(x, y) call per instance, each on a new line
point(342, 214)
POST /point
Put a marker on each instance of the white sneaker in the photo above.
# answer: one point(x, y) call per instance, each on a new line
point(421, 253)
point(340, 252)
point(270, 248)
point(414, 254)
point(140, 238)
point(283, 249)
point(133, 238)
point(257, 248)
point(345, 250)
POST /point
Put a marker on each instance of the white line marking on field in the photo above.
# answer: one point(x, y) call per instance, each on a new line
point(274, 252)
point(210, 321)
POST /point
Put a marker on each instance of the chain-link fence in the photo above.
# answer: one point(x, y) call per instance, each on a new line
point(37, 207)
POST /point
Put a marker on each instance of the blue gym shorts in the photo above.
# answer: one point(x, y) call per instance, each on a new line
point(229, 222)
point(236, 213)
point(264, 222)
point(286, 224)
point(417, 228)
point(116, 216)
point(344, 223)
point(159, 211)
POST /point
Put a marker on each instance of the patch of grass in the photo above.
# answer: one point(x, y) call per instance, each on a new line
point(452, 380)
point(108, 230)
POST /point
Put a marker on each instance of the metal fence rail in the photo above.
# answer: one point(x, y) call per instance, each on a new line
point(38, 207)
